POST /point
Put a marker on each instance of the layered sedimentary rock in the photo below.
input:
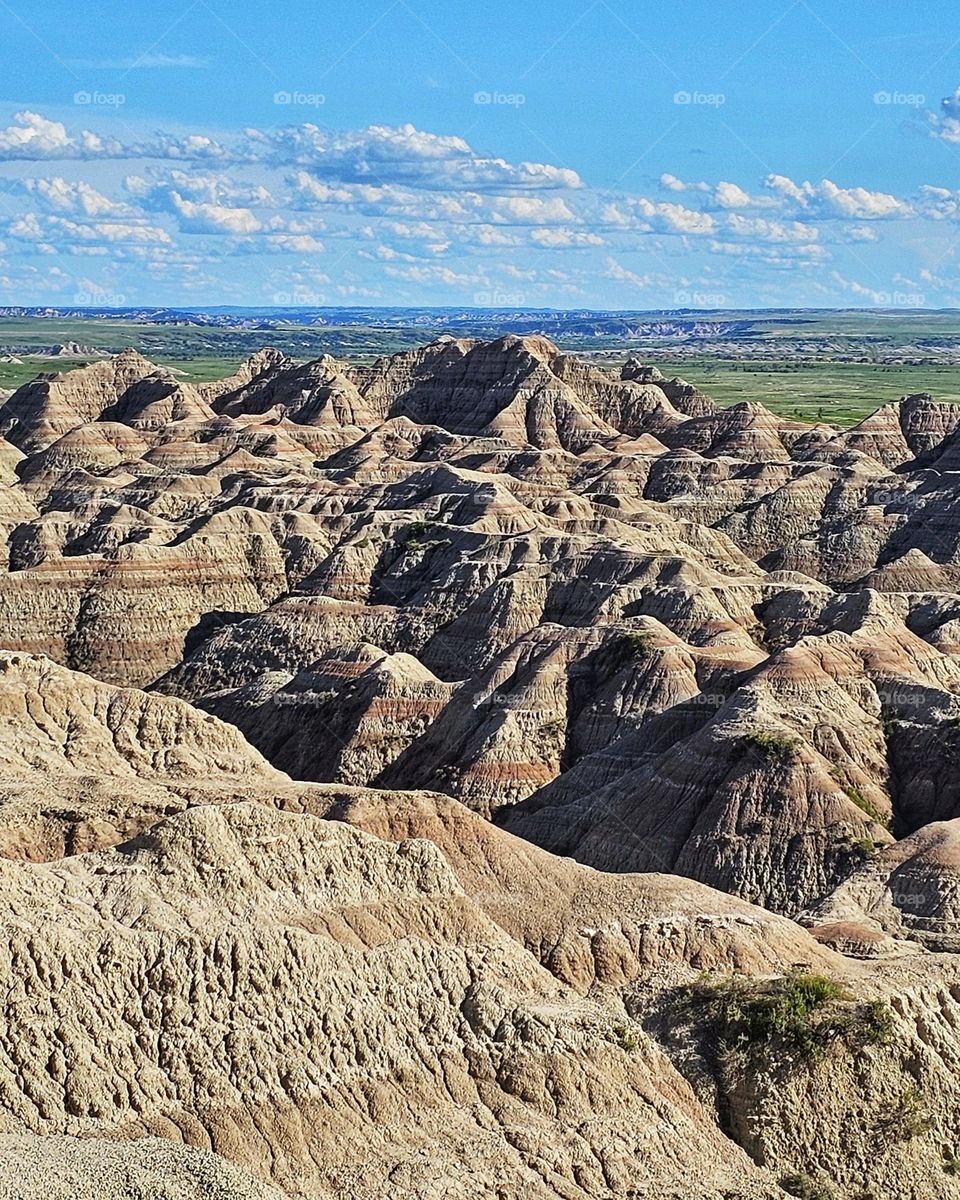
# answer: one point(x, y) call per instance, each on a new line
point(588, 602)
point(625, 697)
point(332, 1014)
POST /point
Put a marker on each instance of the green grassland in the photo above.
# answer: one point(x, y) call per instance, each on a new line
point(839, 393)
point(802, 364)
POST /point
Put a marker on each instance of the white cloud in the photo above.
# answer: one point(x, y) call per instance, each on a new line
point(828, 199)
point(213, 218)
point(531, 210)
point(762, 230)
point(565, 237)
point(673, 218)
point(33, 136)
point(59, 196)
point(945, 124)
point(58, 230)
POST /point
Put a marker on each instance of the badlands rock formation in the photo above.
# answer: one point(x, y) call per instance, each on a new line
point(615, 688)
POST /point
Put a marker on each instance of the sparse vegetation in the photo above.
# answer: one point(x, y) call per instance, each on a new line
point(905, 1118)
point(806, 1187)
point(554, 727)
point(802, 1013)
point(625, 1038)
point(423, 533)
point(629, 648)
point(952, 1166)
point(888, 723)
point(862, 802)
point(773, 745)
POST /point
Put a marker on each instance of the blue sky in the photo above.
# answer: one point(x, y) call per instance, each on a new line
point(580, 153)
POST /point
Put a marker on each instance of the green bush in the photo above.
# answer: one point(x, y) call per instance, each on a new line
point(625, 1039)
point(416, 535)
point(801, 1013)
point(631, 647)
point(773, 745)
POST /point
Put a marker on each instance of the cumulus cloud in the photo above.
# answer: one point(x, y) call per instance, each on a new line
point(400, 154)
point(672, 218)
point(565, 237)
point(58, 195)
point(56, 230)
point(199, 217)
point(208, 186)
point(828, 199)
point(723, 194)
point(33, 136)
point(762, 230)
point(424, 210)
point(531, 210)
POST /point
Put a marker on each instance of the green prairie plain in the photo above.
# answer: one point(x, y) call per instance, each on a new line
point(834, 366)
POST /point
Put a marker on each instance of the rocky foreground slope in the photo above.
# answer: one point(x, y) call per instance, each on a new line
point(646, 715)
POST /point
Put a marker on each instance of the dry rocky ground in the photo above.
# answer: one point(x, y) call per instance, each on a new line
point(475, 775)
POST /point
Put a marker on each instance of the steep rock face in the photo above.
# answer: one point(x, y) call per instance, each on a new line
point(346, 717)
point(850, 1120)
point(157, 400)
point(319, 393)
point(51, 405)
point(685, 397)
point(258, 363)
point(125, 610)
point(314, 1004)
point(418, 574)
point(909, 890)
